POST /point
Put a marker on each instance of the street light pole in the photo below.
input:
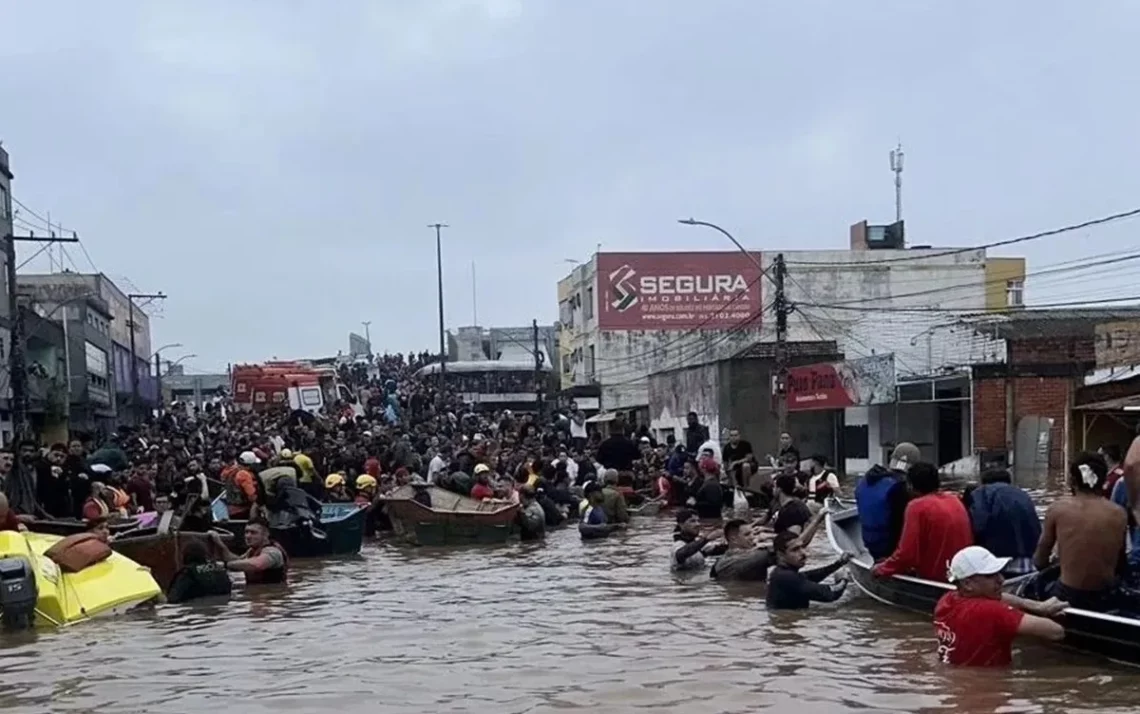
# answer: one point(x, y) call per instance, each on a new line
point(782, 307)
point(439, 279)
point(131, 297)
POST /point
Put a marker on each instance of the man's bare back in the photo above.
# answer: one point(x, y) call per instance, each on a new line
point(1089, 532)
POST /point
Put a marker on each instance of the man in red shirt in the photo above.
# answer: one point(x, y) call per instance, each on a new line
point(935, 527)
point(976, 624)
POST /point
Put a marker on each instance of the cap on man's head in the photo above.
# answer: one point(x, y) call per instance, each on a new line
point(481, 468)
point(904, 456)
point(974, 560)
point(249, 458)
point(591, 487)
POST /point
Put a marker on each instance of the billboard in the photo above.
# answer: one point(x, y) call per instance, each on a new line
point(678, 291)
point(1117, 344)
point(837, 385)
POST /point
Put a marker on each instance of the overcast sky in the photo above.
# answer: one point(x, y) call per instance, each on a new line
point(272, 166)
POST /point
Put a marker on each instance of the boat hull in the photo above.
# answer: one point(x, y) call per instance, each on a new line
point(341, 523)
point(452, 519)
point(1113, 636)
point(107, 588)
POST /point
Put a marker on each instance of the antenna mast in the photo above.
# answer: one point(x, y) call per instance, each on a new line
point(897, 168)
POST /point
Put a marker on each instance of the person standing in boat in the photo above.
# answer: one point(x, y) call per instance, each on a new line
point(1089, 533)
point(976, 623)
point(936, 526)
point(264, 563)
point(791, 589)
point(241, 487)
point(1005, 521)
point(881, 498)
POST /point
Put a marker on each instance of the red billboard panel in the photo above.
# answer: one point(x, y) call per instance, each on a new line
point(838, 385)
point(678, 291)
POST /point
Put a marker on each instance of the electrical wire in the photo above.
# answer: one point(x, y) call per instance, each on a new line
point(1112, 218)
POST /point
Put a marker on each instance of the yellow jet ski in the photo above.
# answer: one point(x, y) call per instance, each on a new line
point(34, 590)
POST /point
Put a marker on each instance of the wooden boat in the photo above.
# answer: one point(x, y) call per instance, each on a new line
point(451, 519)
point(1113, 636)
point(649, 508)
point(160, 552)
point(342, 525)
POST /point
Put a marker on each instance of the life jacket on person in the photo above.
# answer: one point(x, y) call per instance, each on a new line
point(236, 499)
point(275, 576)
point(871, 500)
point(102, 510)
point(121, 499)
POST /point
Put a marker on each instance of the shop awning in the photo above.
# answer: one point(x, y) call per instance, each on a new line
point(1120, 404)
point(602, 418)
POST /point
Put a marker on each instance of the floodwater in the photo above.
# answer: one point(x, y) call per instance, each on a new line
point(559, 626)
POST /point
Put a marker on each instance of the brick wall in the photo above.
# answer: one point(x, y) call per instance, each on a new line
point(1051, 350)
point(989, 414)
point(1048, 397)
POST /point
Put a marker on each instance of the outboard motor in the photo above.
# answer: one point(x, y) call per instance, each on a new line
point(18, 594)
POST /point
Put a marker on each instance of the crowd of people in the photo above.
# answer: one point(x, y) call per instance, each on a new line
point(275, 467)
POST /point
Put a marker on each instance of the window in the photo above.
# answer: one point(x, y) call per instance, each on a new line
point(590, 365)
point(855, 438)
point(1015, 293)
point(589, 306)
point(96, 360)
point(5, 206)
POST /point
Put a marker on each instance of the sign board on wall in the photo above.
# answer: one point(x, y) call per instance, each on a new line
point(678, 291)
point(838, 385)
point(1117, 344)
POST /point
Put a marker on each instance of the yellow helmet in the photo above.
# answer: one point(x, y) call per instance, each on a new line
point(364, 481)
point(334, 480)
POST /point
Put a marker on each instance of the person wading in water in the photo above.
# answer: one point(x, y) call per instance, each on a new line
point(265, 563)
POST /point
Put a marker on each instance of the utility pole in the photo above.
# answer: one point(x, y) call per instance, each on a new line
point(17, 364)
point(538, 390)
point(439, 279)
point(131, 297)
point(368, 335)
point(783, 309)
point(158, 380)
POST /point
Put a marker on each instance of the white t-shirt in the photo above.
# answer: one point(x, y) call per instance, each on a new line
point(714, 446)
point(435, 468)
point(827, 477)
point(572, 470)
point(577, 431)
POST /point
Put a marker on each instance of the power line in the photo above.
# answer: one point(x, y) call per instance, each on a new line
point(1001, 243)
point(972, 311)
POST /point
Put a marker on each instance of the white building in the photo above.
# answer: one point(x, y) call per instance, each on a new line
point(868, 301)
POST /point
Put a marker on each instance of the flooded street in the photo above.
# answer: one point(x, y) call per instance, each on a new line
point(563, 625)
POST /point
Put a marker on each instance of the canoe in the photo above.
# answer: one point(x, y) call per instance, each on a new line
point(341, 523)
point(161, 552)
point(451, 519)
point(71, 526)
point(1108, 635)
point(649, 508)
point(107, 588)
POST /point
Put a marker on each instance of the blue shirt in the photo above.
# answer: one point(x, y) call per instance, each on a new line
point(1120, 498)
point(595, 516)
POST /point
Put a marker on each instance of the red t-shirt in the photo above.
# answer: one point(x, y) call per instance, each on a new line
point(975, 631)
point(481, 491)
point(935, 527)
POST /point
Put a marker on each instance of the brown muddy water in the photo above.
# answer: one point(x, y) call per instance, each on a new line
point(559, 626)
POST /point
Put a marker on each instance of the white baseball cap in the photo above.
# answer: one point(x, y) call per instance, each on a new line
point(975, 560)
point(249, 458)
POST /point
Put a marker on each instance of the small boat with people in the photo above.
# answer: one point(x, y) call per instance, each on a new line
point(1114, 635)
point(429, 515)
point(339, 532)
point(53, 581)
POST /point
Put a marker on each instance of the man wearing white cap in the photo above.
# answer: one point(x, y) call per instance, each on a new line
point(977, 623)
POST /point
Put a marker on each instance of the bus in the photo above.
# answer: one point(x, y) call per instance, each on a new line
point(493, 384)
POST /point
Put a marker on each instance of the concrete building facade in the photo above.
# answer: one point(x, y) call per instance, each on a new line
point(7, 229)
point(79, 298)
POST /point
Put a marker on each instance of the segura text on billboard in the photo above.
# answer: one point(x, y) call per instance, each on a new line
point(678, 291)
point(838, 385)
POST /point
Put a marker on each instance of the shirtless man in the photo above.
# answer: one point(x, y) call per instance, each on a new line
point(1089, 532)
